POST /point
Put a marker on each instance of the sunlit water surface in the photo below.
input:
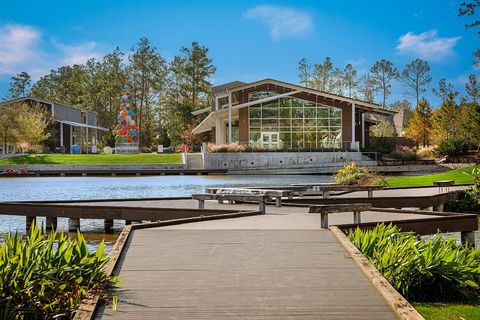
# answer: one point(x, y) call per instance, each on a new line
point(75, 188)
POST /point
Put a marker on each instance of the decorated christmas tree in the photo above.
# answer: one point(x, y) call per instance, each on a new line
point(126, 131)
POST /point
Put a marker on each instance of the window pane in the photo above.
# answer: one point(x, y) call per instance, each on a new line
point(254, 112)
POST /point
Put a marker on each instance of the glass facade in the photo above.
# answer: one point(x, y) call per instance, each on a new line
point(297, 123)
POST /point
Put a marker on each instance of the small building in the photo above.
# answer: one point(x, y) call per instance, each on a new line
point(276, 114)
point(68, 126)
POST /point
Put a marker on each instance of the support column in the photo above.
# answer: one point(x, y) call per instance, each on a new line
point(51, 223)
point(71, 138)
point(353, 144)
point(73, 224)
point(108, 223)
point(229, 117)
point(86, 134)
point(61, 134)
point(363, 130)
point(29, 220)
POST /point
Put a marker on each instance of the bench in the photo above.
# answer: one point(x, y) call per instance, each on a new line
point(273, 193)
point(298, 189)
point(260, 198)
point(444, 184)
point(325, 210)
point(326, 189)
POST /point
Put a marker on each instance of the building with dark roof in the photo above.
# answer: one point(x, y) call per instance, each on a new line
point(69, 125)
point(276, 114)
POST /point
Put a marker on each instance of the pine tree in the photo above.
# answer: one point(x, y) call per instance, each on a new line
point(304, 72)
point(19, 86)
point(416, 76)
point(420, 123)
point(472, 88)
point(382, 74)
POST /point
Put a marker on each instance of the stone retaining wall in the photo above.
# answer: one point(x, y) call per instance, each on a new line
point(282, 160)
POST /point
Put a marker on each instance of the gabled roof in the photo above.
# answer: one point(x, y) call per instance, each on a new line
point(41, 101)
point(225, 86)
point(368, 106)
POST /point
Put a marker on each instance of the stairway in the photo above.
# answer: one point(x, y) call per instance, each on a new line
point(194, 161)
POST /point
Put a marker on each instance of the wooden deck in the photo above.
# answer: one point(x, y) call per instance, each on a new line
point(178, 272)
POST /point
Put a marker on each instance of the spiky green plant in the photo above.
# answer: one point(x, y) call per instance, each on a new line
point(433, 270)
point(47, 275)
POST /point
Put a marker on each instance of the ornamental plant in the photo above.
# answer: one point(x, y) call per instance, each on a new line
point(356, 175)
point(45, 276)
point(433, 270)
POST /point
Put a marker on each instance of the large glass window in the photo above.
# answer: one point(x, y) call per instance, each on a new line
point(299, 123)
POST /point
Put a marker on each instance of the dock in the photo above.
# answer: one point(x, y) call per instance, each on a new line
point(258, 267)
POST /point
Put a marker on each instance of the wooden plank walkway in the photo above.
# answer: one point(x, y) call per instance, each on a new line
point(220, 270)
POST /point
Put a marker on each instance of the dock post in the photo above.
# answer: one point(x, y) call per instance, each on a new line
point(128, 222)
point(278, 202)
point(108, 223)
point(73, 224)
point(29, 221)
point(262, 206)
point(370, 193)
point(324, 220)
point(468, 236)
point(357, 217)
point(51, 223)
point(201, 204)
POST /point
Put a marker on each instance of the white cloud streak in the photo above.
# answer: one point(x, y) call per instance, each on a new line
point(24, 48)
point(427, 45)
point(282, 22)
point(18, 46)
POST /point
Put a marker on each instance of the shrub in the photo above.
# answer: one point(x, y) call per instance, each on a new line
point(453, 147)
point(468, 200)
point(46, 276)
point(355, 175)
point(427, 153)
point(381, 145)
point(434, 270)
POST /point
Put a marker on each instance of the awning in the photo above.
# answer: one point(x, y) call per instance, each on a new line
point(206, 125)
point(83, 125)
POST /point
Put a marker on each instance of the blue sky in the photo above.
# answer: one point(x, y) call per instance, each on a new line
point(248, 40)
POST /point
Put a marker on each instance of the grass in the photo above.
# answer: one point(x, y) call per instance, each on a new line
point(442, 311)
point(460, 176)
point(166, 158)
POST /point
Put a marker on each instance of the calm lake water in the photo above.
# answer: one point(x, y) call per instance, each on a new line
point(73, 188)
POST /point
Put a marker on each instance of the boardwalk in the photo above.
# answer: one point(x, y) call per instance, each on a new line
point(275, 266)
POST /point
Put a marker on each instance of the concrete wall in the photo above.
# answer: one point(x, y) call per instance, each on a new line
point(282, 160)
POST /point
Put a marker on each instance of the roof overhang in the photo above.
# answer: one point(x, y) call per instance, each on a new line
point(78, 124)
point(206, 124)
point(201, 111)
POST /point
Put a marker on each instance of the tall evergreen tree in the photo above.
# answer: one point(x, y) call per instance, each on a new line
point(322, 75)
point(382, 73)
point(446, 119)
point(366, 88)
point(349, 81)
point(472, 88)
point(147, 71)
point(416, 77)
point(19, 86)
point(304, 72)
point(445, 91)
point(198, 70)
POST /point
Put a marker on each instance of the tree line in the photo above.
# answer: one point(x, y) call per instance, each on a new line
point(163, 93)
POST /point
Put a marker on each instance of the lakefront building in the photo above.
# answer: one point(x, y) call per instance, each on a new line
point(275, 114)
point(68, 126)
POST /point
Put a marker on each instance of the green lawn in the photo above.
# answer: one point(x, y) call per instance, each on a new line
point(442, 311)
point(459, 175)
point(166, 158)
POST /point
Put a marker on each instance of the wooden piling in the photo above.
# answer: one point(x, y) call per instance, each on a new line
point(73, 224)
point(51, 223)
point(108, 223)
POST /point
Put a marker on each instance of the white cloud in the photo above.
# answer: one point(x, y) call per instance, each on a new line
point(283, 22)
point(77, 53)
point(18, 46)
point(427, 45)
